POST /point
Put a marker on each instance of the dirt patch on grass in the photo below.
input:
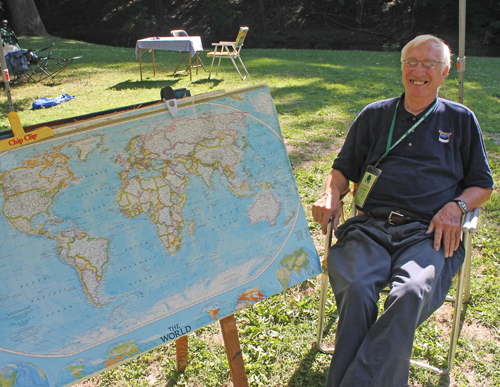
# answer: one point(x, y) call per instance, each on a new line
point(478, 334)
point(213, 338)
point(303, 153)
point(494, 137)
point(94, 382)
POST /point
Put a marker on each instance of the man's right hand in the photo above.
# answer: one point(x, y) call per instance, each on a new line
point(329, 205)
point(324, 209)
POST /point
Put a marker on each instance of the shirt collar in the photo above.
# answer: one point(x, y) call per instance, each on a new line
point(404, 115)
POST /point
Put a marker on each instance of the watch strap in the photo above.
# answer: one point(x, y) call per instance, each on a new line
point(462, 205)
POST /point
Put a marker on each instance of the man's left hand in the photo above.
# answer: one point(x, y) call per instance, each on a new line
point(446, 227)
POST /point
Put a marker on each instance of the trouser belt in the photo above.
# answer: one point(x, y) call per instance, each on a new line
point(393, 216)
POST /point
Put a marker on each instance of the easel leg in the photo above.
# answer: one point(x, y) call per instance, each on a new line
point(190, 72)
point(140, 61)
point(233, 351)
point(181, 349)
point(154, 69)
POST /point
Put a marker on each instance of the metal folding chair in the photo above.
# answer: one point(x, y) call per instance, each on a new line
point(185, 55)
point(461, 297)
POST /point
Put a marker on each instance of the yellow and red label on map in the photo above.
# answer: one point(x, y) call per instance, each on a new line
point(20, 136)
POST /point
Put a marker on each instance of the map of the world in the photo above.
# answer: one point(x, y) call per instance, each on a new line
point(122, 233)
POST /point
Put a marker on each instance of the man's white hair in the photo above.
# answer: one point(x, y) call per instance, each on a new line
point(421, 39)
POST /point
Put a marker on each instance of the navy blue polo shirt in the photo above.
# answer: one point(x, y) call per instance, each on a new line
point(432, 166)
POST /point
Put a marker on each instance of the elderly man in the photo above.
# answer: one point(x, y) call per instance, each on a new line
point(421, 164)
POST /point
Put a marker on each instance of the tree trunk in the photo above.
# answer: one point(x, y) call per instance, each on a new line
point(25, 18)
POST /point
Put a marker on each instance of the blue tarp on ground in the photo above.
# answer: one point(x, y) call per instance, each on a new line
point(46, 102)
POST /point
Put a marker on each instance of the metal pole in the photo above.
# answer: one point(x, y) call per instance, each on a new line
point(5, 74)
point(461, 50)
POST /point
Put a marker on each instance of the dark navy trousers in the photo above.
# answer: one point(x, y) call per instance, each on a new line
point(373, 351)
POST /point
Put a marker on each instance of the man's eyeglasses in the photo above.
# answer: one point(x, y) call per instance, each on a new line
point(427, 63)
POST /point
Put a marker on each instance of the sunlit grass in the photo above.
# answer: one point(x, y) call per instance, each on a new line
point(317, 95)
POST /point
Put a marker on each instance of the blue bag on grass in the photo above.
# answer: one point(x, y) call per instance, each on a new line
point(46, 102)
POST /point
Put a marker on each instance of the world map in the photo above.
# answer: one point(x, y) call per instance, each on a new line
point(124, 233)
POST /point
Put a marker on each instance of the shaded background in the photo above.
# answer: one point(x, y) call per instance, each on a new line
point(375, 25)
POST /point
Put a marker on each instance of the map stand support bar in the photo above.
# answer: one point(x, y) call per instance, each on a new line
point(181, 350)
point(233, 351)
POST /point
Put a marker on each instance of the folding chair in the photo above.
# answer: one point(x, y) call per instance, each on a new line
point(229, 50)
point(31, 66)
point(185, 55)
point(461, 297)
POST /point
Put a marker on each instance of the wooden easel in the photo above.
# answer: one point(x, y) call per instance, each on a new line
point(233, 351)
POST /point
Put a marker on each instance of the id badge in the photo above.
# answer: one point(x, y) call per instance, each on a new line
point(369, 178)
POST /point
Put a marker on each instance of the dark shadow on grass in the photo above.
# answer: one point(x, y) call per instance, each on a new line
point(172, 381)
point(444, 381)
point(304, 375)
point(204, 81)
point(143, 84)
point(21, 104)
point(51, 83)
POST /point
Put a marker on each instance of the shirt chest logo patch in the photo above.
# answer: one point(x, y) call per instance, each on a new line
point(444, 137)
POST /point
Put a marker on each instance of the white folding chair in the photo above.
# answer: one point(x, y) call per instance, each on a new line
point(229, 50)
point(461, 297)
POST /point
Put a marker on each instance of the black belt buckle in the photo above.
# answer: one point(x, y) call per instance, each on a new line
point(394, 221)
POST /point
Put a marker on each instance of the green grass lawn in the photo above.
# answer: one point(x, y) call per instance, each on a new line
point(317, 96)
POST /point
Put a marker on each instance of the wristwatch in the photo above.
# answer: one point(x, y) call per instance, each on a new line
point(462, 205)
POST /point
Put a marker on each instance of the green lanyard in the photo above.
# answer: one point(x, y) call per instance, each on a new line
point(389, 140)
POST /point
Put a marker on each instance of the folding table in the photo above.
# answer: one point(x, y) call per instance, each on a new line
point(190, 44)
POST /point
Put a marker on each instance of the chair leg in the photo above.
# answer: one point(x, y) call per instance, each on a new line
point(237, 69)
point(455, 330)
point(467, 264)
point(239, 57)
point(202, 65)
point(184, 57)
point(322, 295)
point(211, 66)
point(218, 64)
point(459, 300)
point(462, 297)
point(321, 315)
point(457, 319)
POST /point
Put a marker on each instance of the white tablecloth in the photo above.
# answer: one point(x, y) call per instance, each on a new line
point(190, 44)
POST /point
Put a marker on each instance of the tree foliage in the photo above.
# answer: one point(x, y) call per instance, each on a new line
point(273, 23)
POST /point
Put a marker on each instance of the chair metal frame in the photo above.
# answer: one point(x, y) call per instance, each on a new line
point(40, 68)
point(185, 55)
point(43, 67)
point(461, 297)
point(229, 50)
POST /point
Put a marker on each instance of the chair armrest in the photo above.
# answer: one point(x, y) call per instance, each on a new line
point(470, 221)
point(223, 44)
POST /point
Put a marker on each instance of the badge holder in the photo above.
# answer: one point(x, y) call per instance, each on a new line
point(369, 178)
